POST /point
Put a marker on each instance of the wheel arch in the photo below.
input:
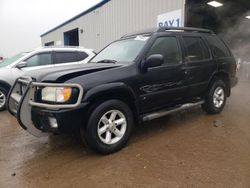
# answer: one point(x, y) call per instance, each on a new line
point(5, 85)
point(118, 91)
point(224, 76)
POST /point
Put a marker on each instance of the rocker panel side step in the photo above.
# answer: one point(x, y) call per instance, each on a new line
point(162, 113)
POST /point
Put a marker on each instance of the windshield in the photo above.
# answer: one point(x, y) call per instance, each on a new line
point(122, 51)
point(11, 60)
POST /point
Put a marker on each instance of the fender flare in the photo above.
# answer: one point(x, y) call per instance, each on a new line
point(107, 91)
point(218, 72)
point(224, 73)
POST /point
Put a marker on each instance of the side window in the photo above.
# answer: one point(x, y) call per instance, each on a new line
point(218, 47)
point(82, 56)
point(196, 49)
point(66, 57)
point(168, 47)
point(39, 60)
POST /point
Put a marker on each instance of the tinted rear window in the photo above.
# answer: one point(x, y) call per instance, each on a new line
point(196, 49)
point(66, 57)
point(82, 56)
point(218, 47)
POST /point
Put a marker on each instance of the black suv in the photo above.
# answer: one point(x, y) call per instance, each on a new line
point(140, 77)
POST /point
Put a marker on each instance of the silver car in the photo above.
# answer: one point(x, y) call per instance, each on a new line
point(47, 57)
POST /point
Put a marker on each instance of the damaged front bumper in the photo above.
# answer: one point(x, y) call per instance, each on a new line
point(39, 118)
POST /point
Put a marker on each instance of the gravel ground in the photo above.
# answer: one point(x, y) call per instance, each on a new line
point(188, 149)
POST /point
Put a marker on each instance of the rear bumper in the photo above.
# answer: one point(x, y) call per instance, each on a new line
point(233, 81)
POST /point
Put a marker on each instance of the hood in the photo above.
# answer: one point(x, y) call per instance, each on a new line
point(63, 73)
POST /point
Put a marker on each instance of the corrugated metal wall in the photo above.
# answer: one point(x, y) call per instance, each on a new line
point(114, 19)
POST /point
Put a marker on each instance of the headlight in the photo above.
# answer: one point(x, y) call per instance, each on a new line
point(56, 94)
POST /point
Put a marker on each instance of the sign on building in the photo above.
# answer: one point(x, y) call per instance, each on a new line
point(170, 19)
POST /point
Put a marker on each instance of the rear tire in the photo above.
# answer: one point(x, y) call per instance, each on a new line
point(3, 98)
point(216, 98)
point(109, 127)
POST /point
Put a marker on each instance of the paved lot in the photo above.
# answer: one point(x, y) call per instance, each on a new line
point(189, 149)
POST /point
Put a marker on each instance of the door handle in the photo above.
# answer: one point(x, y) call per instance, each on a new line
point(185, 71)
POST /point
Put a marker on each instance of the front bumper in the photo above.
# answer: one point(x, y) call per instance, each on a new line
point(40, 118)
point(59, 121)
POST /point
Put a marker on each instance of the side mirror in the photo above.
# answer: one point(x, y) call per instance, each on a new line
point(154, 60)
point(21, 65)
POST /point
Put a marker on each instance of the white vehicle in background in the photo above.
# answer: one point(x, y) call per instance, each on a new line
point(42, 58)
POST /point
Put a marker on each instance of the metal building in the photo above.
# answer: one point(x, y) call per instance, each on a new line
point(111, 19)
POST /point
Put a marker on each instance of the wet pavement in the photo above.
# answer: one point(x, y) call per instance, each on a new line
point(188, 149)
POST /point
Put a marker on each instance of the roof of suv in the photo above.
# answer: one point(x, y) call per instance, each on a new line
point(63, 49)
point(68, 48)
point(170, 29)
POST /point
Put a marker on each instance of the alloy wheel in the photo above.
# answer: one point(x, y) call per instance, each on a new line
point(2, 99)
point(218, 97)
point(112, 127)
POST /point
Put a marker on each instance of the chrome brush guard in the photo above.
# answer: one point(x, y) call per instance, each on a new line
point(21, 99)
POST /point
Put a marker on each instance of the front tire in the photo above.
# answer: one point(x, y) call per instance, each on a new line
point(216, 98)
point(3, 98)
point(109, 127)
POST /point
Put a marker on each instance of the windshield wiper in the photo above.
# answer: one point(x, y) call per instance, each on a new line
point(107, 61)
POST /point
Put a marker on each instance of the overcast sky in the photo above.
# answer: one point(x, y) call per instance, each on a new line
point(23, 21)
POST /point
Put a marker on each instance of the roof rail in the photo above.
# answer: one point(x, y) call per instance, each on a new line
point(191, 29)
point(61, 46)
point(142, 32)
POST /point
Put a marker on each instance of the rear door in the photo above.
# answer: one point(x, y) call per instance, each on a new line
point(68, 57)
point(222, 55)
point(199, 65)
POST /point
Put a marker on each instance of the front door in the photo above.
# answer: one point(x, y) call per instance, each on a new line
point(38, 61)
point(163, 85)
